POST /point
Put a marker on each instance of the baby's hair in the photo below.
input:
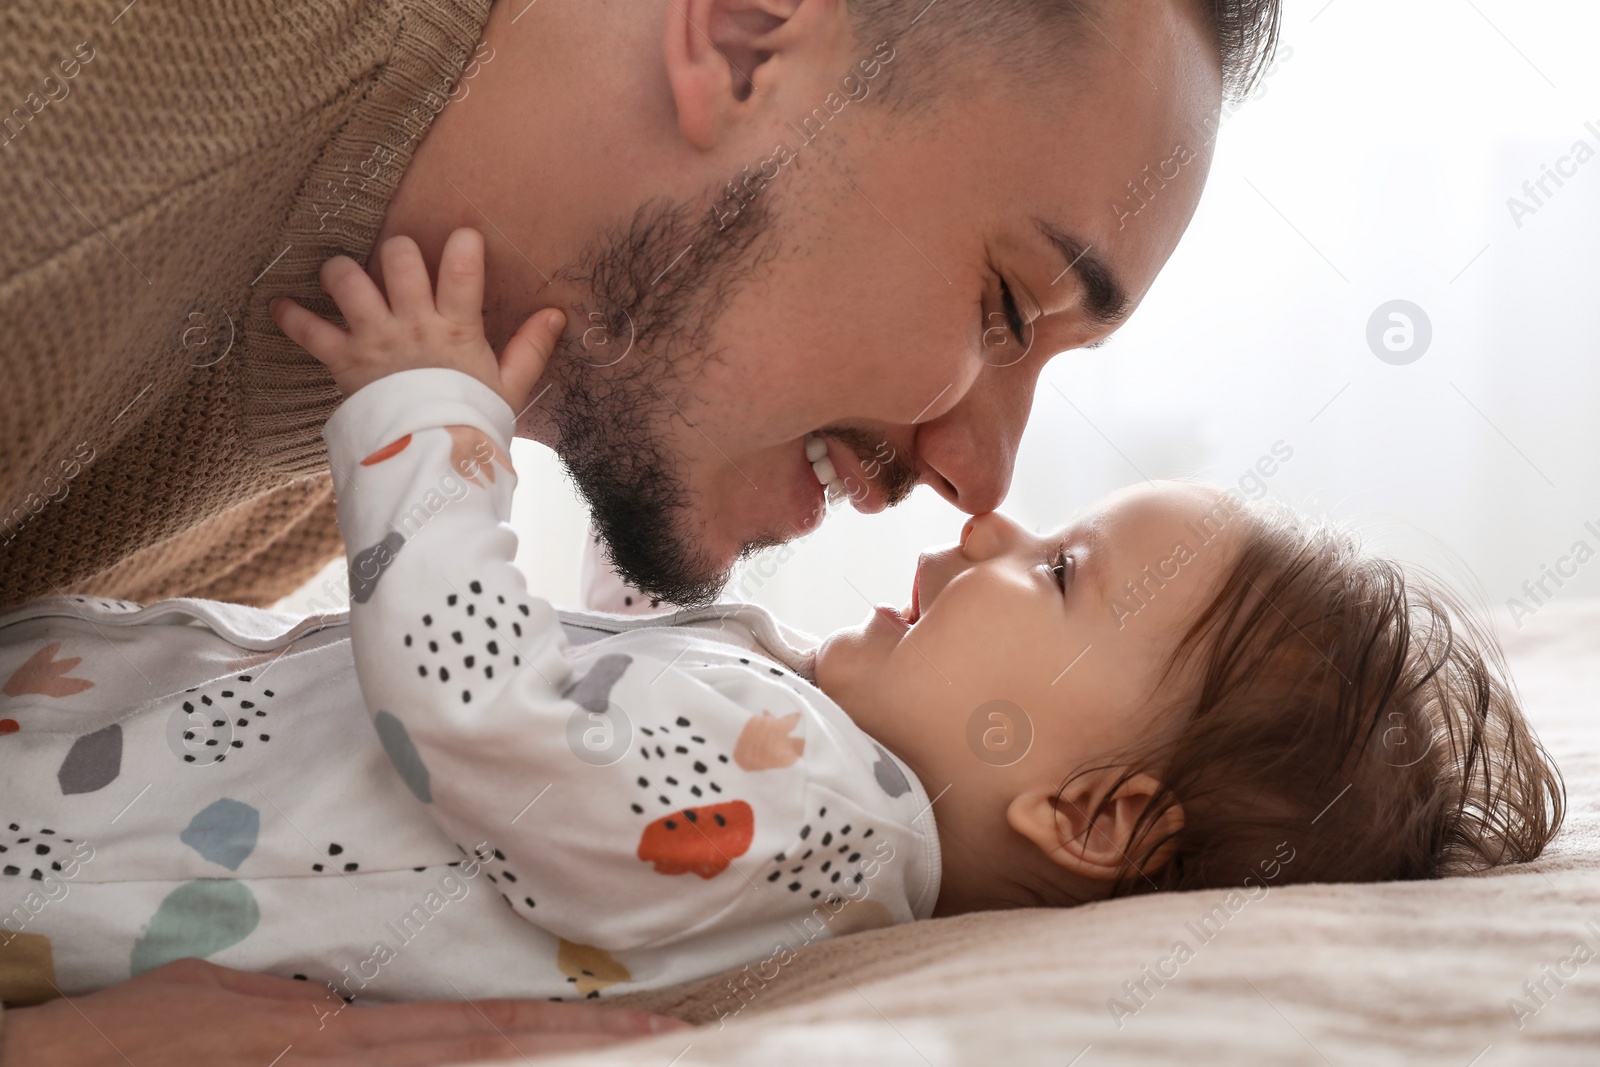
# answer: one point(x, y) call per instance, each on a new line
point(1348, 708)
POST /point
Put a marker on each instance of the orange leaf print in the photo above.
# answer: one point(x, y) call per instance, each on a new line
point(699, 841)
point(472, 453)
point(45, 674)
point(764, 743)
point(393, 448)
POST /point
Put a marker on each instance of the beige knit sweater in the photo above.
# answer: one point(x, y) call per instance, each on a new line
point(165, 169)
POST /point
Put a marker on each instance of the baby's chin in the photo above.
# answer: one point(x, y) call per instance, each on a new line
point(840, 660)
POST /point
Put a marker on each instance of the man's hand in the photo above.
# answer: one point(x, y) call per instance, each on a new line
point(411, 329)
point(193, 1012)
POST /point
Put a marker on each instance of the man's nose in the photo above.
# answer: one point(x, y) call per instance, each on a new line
point(967, 454)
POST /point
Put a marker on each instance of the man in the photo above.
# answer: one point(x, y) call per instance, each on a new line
point(771, 223)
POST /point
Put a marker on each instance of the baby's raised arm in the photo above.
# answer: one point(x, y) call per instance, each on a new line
point(487, 714)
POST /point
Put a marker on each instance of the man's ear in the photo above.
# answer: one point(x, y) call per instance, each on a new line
point(1059, 823)
point(713, 50)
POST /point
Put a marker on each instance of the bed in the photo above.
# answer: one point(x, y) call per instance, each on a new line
point(1466, 972)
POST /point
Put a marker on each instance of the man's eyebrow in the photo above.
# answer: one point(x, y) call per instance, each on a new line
point(1105, 300)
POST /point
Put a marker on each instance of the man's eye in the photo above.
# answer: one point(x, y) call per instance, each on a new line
point(1013, 314)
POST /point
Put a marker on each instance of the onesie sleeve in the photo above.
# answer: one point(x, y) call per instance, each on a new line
point(617, 800)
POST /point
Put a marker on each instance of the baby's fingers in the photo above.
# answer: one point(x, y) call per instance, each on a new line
point(405, 277)
point(460, 297)
point(526, 354)
point(353, 289)
point(310, 331)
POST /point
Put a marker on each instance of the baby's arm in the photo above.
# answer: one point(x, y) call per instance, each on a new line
point(472, 690)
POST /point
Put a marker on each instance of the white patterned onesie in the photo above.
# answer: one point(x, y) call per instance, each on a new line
point(452, 789)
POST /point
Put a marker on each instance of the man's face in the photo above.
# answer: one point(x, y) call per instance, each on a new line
point(866, 293)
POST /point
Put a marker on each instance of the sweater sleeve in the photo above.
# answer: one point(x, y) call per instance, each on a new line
point(534, 760)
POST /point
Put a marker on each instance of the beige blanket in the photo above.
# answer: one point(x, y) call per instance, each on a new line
point(1415, 973)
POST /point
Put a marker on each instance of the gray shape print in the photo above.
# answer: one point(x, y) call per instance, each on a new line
point(592, 692)
point(369, 565)
point(404, 755)
point(93, 762)
point(224, 832)
point(889, 775)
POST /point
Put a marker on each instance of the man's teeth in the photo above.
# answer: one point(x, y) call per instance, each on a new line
point(822, 467)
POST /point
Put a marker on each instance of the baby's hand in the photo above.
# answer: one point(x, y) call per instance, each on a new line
point(411, 329)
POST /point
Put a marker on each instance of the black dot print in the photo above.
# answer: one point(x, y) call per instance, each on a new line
point(682, 758)
point(346, 866)
point(233, 711)
point(14, 846)
point(839, 860)
point(470, 656)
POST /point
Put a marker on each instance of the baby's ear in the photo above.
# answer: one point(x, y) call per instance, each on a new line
point(1059, 824)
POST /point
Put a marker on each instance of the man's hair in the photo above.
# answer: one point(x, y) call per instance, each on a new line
point(1346, 709)
point(1035, 36)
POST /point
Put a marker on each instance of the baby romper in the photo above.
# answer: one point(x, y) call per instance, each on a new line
point(450, 790)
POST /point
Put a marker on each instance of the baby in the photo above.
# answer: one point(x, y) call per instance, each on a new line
point(456, 789)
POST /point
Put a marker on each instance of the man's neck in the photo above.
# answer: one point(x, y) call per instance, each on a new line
point(540, 149)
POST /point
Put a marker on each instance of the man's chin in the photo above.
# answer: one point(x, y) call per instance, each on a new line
point(670, 572)
point(687, 577)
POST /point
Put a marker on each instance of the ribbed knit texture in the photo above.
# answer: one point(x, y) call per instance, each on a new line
point(207, 158)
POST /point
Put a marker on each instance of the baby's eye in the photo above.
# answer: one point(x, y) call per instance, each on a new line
point(1062, 567)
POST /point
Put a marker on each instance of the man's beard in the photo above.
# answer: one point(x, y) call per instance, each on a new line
point(654, 292)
